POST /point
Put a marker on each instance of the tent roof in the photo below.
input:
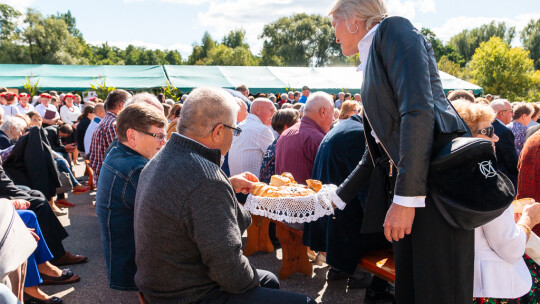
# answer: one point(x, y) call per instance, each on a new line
point(80, 77)
point(186, 77)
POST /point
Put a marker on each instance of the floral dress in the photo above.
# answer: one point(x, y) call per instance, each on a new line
point(268, 166)
point(533, 297)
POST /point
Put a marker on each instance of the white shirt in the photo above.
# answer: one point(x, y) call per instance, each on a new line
point(248, 149)
point(10, 110)
point(88, 135)
point(69, 116)
point(363, 52)
point(23, 110)
point(499, 268)
point(41, 109)
point(338, 103)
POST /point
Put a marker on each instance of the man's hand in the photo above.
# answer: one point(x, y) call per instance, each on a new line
point(70, 147)
point(20, 204)
point(243, 182)
point(398, 222)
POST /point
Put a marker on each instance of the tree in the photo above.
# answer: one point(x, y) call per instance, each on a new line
point(530, 36)
point(440, 49)
point(300, 40)
point(468, 41)
point(8, 22)
point(235, 39)
point(502, 70)
point(71, 23)
point(201, 51)
point(173, 57)
point(448, 66)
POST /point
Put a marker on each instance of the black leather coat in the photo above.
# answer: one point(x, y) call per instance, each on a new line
point(405, 106)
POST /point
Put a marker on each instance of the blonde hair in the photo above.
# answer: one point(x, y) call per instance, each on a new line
point(473, 113)
point(372, 11)
point(347, 107)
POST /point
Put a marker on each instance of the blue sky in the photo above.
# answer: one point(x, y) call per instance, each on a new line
point(177, 24)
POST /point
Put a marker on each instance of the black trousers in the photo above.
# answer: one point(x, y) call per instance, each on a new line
point(51, 228)
point(435, 263)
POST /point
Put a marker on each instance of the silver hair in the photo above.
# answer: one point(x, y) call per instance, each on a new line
point(499, 104)
point(204, 109)
point(144, 97)
point(241, 104)
point(371, 11)
point(317, 101)
point(287, 106)
point(13, 122)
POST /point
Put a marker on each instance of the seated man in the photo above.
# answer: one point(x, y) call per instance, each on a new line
point(141, 134)
point(188, 223)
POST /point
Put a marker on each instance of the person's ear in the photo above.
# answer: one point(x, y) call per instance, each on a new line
point(131, 135)
point(322, 112)
point(217, 133)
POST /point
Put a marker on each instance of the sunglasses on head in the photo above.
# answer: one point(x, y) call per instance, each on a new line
point(487, 131)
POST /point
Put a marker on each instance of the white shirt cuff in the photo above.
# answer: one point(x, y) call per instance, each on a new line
point(338, 201)
point(410, 201)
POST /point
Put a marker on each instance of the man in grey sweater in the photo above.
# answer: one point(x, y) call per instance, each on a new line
point(188, 223)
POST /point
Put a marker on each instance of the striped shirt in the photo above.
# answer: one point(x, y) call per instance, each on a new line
point(101, 140)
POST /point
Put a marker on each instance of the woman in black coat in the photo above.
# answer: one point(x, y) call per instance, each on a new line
point(406, 118)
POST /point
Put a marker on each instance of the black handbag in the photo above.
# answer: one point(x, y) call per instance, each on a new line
point(466, 186)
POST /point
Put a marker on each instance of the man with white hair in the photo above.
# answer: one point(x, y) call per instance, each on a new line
point(297, 147)
point(248, 148)
point(507, 157)
point(189, 225)
point(243, 112)
point(358, 97)
point(339, 102)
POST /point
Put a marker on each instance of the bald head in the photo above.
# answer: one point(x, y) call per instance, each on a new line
point(204, 109)
point(242, 112)
point(499, 105)
point(264, 109)
point(99, 110)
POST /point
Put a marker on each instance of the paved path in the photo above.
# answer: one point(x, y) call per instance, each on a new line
point(81, 224)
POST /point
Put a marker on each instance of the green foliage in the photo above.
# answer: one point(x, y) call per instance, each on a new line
point(530, 36)
point(442, 50)
point(171, 92)
point(300, 40)
point(101, 88)
point(31, 87)
point(8, 24)
point(502, 70)
point(448, 66)
point(234, 51)
point(467, 41)
point(200, 52)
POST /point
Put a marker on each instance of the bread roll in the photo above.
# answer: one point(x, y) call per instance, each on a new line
point(520, 203)
point(258, 188)
point(314, 184)
point(289, 176)
point(278, 181)
point(289, 191)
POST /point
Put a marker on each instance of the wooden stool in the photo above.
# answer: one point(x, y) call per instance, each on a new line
point(379, 263)
point(88, 171)
point(295, 257)
point(258, 239)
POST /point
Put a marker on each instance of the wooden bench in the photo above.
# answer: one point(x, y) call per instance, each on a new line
point(258, 239)
point(380, 263)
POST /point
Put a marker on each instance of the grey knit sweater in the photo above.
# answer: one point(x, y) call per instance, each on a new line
point(188, 227)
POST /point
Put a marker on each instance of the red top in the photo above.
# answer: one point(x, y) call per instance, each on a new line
point(297, 147)
point(529, 171)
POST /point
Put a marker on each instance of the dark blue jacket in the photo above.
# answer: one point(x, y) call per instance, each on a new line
point(507, 157)
point(5, 142)
point(339, 153)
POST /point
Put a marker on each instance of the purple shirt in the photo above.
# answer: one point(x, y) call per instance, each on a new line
point(297, 147)
point(520, 132)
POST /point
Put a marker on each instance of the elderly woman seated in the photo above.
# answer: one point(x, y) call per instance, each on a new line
point(12, 128)
point(502, 273)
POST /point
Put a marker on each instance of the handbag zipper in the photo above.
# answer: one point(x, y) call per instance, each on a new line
point(391, 161)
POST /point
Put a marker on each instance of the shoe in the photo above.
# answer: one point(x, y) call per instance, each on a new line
point(80, 189)
point(67, 277)
point(373, 297)
point(28, 299)
point(320, 259)
point(69, 259)
point(336, 275)
point(63, 203)
point(360, 282)
point(60, 212)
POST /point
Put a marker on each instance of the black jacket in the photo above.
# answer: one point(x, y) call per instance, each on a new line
point(31, 163)
point(507, 157)
point(80, 132)
point(54, 139)
point(405, 105)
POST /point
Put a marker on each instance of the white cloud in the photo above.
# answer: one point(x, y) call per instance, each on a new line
point(189, 2)
point(455, 25)
point(184, 49)
point(223, 16)
point(20, 5)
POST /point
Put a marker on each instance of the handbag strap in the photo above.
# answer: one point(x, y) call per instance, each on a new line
point(268, 165)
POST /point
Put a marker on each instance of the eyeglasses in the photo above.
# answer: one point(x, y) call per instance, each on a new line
point(487, 131)
point(237, 131)
point(160, 137)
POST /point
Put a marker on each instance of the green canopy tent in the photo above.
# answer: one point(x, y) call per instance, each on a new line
point(278, 79)
point(80, 77)
point(186, 77)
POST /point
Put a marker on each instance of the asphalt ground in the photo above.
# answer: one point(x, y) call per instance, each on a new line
point(84, 239)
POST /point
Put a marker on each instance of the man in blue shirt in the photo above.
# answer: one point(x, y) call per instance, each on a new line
point(305, 94)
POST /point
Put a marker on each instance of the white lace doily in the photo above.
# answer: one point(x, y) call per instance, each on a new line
point(302, 209)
